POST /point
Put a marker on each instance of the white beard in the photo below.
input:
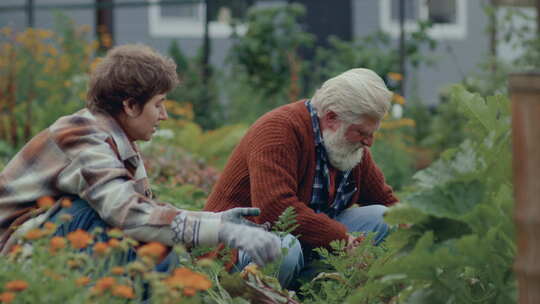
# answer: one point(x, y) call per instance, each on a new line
point(342, 154)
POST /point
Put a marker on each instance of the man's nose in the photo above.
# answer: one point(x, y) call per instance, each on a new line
point(367, 140)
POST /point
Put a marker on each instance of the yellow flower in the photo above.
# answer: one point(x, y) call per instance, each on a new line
point(123, 291)
point(44, 34)
point(79, 239)
point(94, 64)
point(395, 76)
point(85, 28)
point(82, 281)
point(17, 285)
point(73, 264)
point(57, 243)
point(34, 234)
point(65, 217)
point(115, 233)
point(6, 31)
point(7, 297)
point(45, 202)
point(398, 99)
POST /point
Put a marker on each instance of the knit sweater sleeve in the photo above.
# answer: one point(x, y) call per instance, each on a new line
point(373, 187)
point(273, 161)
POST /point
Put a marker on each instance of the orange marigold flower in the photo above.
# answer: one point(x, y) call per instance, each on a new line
point(101, 248)
point(114, 243)
point(82, 281)
point(34, 234)
point(123, 291)
point(45, 202)
point(66, 203)
point(17, 285)
point(395, 76)
point(104, 284)
point(16, 249)
point(56, 243)
point(153, 250)
point(50, 226)
point(79, 239)
point(189, 280)
point(118, 270)
point(189, 291)
point(7, 297)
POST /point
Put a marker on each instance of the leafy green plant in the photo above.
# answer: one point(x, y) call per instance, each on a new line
point(375, 52)
point(460, 244)
point(265, 62)
point(45, 70)
point(194, 89)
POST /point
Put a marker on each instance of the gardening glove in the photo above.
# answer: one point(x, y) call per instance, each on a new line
point(235, 216)
point(263, 247)
point(192, 229)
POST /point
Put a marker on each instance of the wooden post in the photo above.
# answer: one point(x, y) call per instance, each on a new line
point(105, 24)
point(525, 96)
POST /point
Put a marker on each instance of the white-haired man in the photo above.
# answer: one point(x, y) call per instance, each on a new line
point(314, 155)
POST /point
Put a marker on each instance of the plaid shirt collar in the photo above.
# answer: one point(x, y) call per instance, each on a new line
point(321, 182)
point(126, 148)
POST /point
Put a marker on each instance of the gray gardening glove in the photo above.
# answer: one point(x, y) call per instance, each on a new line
point(194, 229)
point(235, 216)
point(262, 246)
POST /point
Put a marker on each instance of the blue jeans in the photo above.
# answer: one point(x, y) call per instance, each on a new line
point(365, 219)
point(86, 218)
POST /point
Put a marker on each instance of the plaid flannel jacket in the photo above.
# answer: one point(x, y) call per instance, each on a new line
point(321, 183)
point(86, 155)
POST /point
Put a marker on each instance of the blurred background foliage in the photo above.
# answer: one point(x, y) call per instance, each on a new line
point(43, 75)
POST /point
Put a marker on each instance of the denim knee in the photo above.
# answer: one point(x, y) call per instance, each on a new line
point(366, 219)
point(292, 261)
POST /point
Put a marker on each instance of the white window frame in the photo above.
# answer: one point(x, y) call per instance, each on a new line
point(183, 27)
point(457, 30)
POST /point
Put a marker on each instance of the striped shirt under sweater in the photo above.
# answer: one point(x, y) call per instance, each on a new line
point(273, 167)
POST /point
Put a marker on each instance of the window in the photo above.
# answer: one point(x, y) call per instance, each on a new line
point(187, 19)
point(449, 17)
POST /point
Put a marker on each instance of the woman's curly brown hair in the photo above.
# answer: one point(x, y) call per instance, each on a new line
point(132, 72)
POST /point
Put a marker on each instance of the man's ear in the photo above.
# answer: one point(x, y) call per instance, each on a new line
point(131, 108)
point(330, 121)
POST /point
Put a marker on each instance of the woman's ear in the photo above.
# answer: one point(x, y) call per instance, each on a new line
point(131, 108)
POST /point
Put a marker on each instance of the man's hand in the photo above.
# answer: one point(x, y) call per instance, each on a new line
point(353, 242)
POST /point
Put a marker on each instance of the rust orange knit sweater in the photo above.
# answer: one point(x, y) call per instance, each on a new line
point(273, 167)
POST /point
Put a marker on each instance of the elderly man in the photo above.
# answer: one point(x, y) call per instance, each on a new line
point(314, 155)
point(91, 158)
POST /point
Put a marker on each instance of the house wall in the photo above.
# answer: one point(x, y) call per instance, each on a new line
point(130, 26)
point(454, 57)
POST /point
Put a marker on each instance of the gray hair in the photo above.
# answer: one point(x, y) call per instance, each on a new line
point(352, 94)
